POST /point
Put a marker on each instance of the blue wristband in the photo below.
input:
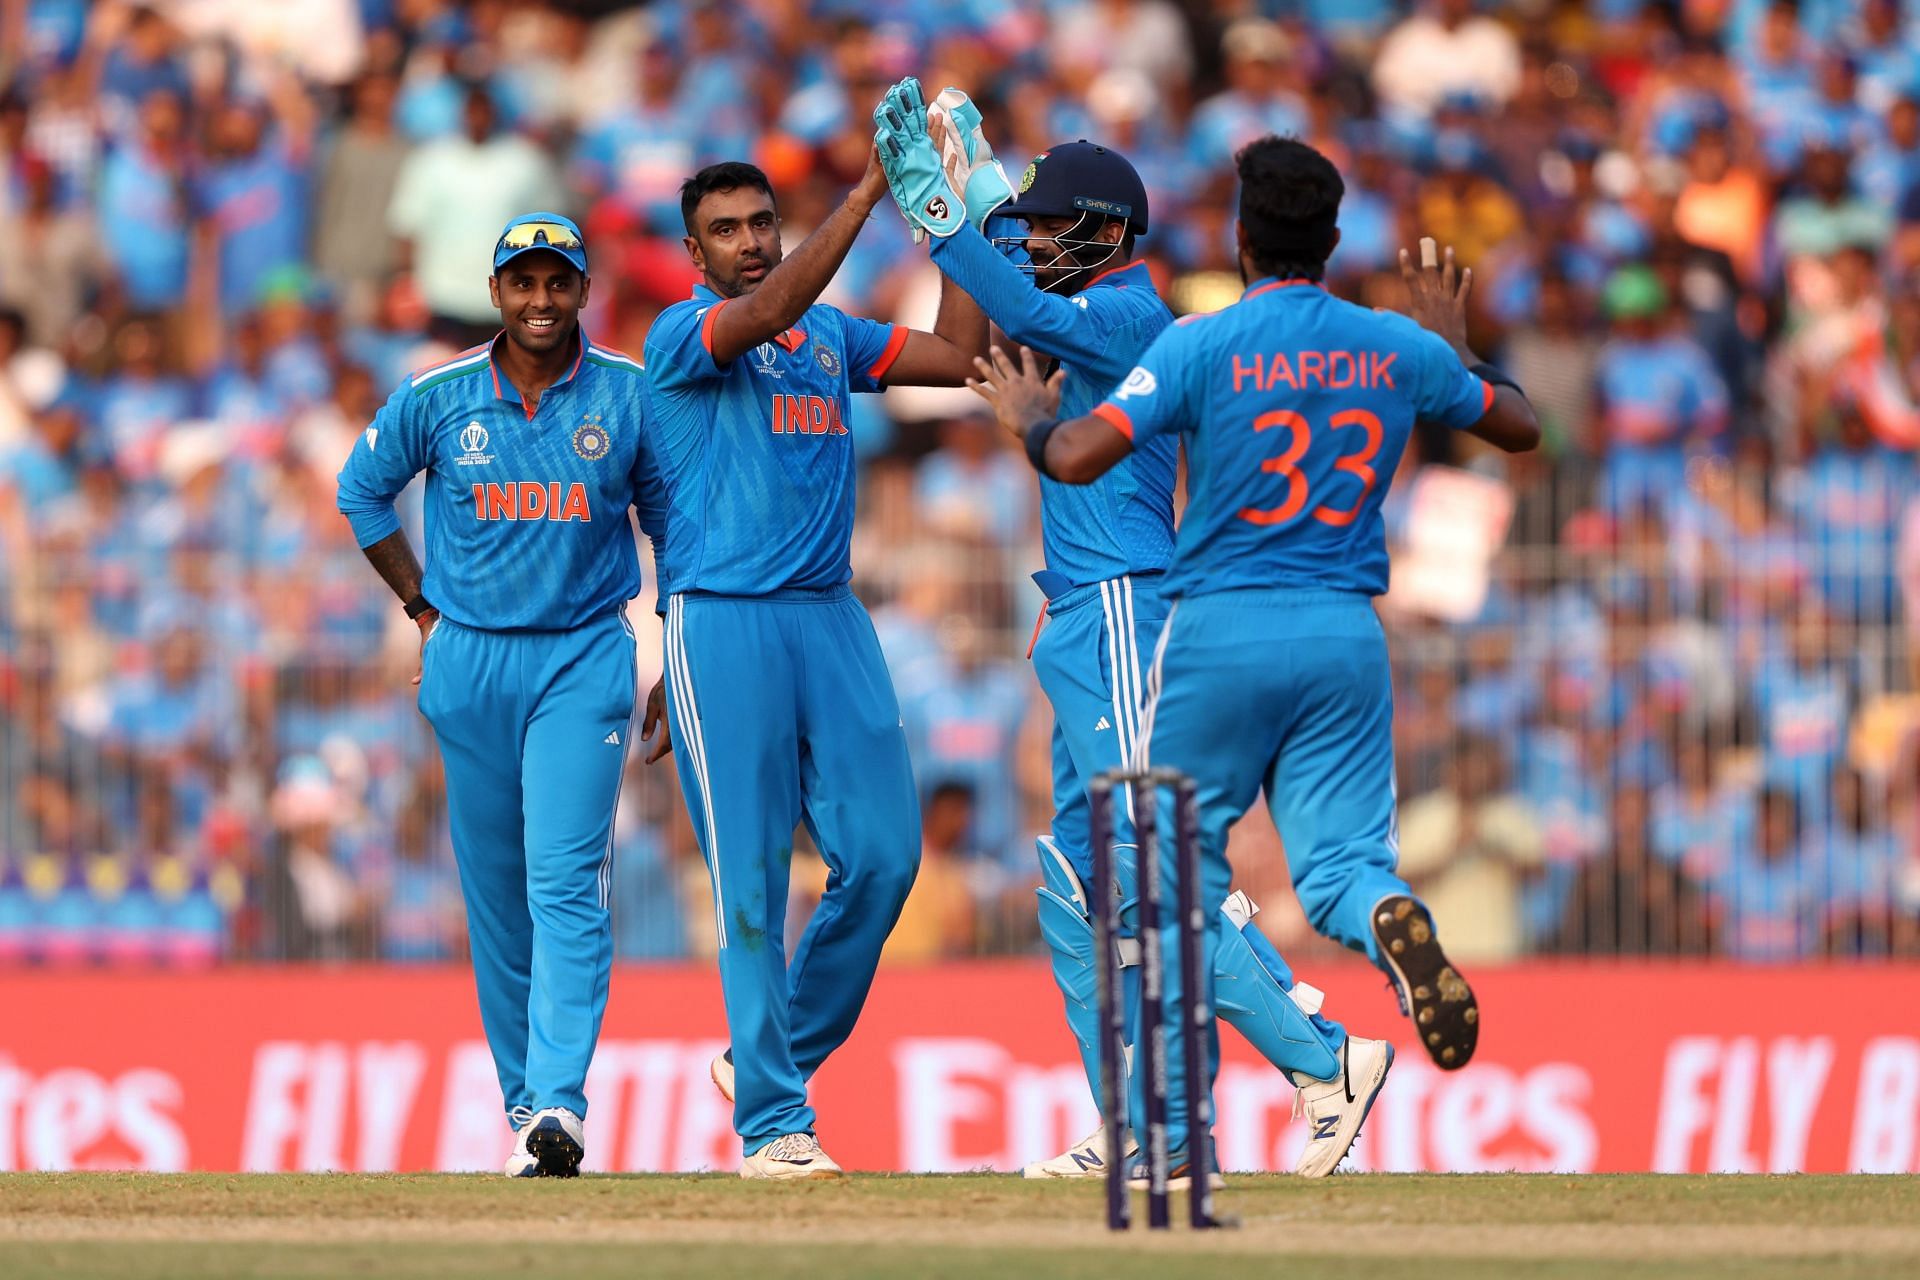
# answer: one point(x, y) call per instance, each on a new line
point(1037, 444)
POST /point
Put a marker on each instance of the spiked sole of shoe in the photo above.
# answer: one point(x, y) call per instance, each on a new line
point(1441, 1004)
point(558, 1154)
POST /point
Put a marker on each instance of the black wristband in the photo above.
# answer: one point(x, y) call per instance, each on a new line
point(1491, 373)
point(417, 606)
point(1037, 444)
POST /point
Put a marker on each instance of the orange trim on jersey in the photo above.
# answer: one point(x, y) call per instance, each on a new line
point(792, 340)
point(1486, 400)
point(578, 358)
point(1116, 418)
point(1125, 266)
point(895, 345)
point(1271, 285)
point(706, 326)
point(1038, 623)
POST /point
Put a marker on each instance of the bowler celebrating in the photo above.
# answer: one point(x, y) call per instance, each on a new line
point(534, 449)
point(1272, 669)
point(780, 703)
point(1107, 547)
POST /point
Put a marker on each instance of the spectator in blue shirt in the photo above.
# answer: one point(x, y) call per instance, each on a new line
point(255, 196)
point(1257, 100)
point(1771, 893)
point(142, 206)
point(1660, 397)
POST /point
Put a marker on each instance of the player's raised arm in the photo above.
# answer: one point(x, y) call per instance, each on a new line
point(733, 237)
point(1078, 451)
point(1439, 304)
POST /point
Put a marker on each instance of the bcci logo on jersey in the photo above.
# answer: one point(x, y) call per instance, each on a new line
point(829, 363)
point(473, 445)
point(590, 440)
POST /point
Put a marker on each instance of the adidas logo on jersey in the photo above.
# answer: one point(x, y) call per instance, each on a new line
point(613, 738)
point(1104, 724)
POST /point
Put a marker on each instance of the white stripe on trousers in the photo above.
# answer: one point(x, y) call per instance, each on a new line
point(1154, 680)
point(1116, 603)
point(683, 701)
point(626, 745)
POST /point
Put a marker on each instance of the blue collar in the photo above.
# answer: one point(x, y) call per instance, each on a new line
point(504, 389)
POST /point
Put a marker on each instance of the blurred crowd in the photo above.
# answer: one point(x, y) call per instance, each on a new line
point(1656, 690)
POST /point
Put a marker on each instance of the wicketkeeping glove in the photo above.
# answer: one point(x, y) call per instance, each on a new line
point(928, 201)
point(968, 159)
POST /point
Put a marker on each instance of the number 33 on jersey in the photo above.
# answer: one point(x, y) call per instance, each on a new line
point(1295, 407)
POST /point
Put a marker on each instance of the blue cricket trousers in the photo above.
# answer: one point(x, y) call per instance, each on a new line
point(533, 729)
point(1290, 691)
point(783, 711)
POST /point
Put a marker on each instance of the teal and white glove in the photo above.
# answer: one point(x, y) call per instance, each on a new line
point(968, 159)
point(929, 203)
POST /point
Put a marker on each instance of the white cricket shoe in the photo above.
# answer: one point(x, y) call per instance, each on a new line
point(1086, 1158)
point(790, 1157)
point(1335, 1109)
point(557, 1142)
point(721, 1073)
point(521, 1163)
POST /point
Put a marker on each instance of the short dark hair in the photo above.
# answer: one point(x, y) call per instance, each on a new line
point(1289, 204)
point(728, 175)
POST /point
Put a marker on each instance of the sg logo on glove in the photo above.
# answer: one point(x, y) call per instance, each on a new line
point(937, 209)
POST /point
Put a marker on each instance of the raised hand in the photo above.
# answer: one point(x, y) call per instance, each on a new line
point(928, 201)
point(953, 123)
point(1020, 394)
point(1437, 294)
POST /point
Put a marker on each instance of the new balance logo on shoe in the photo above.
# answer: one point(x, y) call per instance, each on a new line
point(1325, 1126)
point(1104, 724)
point(613, 738)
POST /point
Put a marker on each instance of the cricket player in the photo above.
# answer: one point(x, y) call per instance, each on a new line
point(534, 449)
point(1272, 669)
point(781, 707)
point(1107, 547)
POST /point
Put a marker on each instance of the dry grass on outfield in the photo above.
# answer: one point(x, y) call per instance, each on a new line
point(986, 1226)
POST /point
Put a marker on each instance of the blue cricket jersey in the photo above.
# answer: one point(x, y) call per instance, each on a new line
point(526, 511)
point(758, 464)
point(1296, 407)
point(1123, 522)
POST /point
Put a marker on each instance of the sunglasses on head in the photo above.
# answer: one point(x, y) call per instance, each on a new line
point(549, 235)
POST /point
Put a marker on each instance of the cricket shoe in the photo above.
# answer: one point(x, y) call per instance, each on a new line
point(1431, 990)
point(1335, 1109)
point(789, 1158)
point(557, 1142)
point(1179, 1174)
point(721, 1073)
point(521, 1163)
point(1086, 1158)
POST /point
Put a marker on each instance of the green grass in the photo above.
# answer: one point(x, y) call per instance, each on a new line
point(1352, 1227)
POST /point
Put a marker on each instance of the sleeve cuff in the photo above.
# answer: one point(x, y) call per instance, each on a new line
point(1116, 418)
point(896, 342)
point(706, 326)
point(373, 525)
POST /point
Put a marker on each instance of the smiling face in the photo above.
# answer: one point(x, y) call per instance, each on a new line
point(736, 239)
point(539, 295)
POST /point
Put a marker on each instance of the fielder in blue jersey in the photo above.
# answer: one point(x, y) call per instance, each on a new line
point(534, 448)
point(1272, 669)
point(1107, 545)
point(781, 707)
